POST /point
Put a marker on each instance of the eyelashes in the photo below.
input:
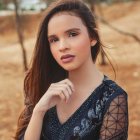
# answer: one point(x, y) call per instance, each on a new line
point(51, 41)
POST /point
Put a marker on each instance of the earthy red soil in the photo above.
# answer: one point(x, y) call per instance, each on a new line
point(124, 52)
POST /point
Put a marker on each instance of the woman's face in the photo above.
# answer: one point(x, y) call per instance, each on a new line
point(75, 42)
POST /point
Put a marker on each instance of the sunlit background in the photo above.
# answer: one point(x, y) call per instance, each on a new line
point(119, 28)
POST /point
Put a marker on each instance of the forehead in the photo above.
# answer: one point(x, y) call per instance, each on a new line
point(64, 16)
point(62, 21)
point(64, 13)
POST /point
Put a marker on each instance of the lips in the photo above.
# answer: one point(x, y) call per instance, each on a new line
point(66, 56)
point(68, 59)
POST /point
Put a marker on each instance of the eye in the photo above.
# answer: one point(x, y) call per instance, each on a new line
point(52, 40)
point(69, 34)
point(73, 33)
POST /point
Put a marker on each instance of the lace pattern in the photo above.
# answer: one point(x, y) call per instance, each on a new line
point(115, 121)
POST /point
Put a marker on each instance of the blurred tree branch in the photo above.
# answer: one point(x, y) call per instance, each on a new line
point(92, 4)
point(19, 30)
point(101, 13)
point(116, 29)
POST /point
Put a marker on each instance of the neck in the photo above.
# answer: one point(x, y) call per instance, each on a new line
point(85, 77)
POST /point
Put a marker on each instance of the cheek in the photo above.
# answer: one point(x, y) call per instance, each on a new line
point(55, 54)
point(83, 48)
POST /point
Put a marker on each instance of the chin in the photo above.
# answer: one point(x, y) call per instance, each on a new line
point(70, 67)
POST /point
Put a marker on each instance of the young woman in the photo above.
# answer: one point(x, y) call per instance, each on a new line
point(66, 96)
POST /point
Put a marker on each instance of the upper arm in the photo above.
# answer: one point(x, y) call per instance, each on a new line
point(41, 136)
point(115, 120)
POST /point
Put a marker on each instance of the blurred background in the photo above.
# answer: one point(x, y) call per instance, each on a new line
point(118, 22)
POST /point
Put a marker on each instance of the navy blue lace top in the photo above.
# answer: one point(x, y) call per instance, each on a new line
point(102, 116)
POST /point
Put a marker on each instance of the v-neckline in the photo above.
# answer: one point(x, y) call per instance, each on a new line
point(93, 92)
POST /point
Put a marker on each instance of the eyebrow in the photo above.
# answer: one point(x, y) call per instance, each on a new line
point(66, 31)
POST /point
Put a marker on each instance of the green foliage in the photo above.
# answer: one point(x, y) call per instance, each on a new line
point(43, 9)
point(32, 8)
point(23, 9)
point(2, 6)
point(109, 2)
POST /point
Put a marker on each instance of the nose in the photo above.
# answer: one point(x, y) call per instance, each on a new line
point(63, 45)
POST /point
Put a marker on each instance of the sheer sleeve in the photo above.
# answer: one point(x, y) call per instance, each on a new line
point(115, 121)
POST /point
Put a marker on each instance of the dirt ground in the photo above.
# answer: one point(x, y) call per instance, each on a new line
point(124, 52)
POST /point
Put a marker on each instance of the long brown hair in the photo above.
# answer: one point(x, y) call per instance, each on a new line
point(44, 69)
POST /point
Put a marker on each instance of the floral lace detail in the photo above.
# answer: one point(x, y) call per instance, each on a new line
point(94, 116)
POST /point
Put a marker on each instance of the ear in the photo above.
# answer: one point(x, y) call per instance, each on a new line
point(93, 41)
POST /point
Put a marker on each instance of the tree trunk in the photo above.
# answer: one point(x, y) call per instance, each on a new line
point(122, 9)
point(99, 7)
point(103, 59)
point(101, 12)
point(19, 30)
